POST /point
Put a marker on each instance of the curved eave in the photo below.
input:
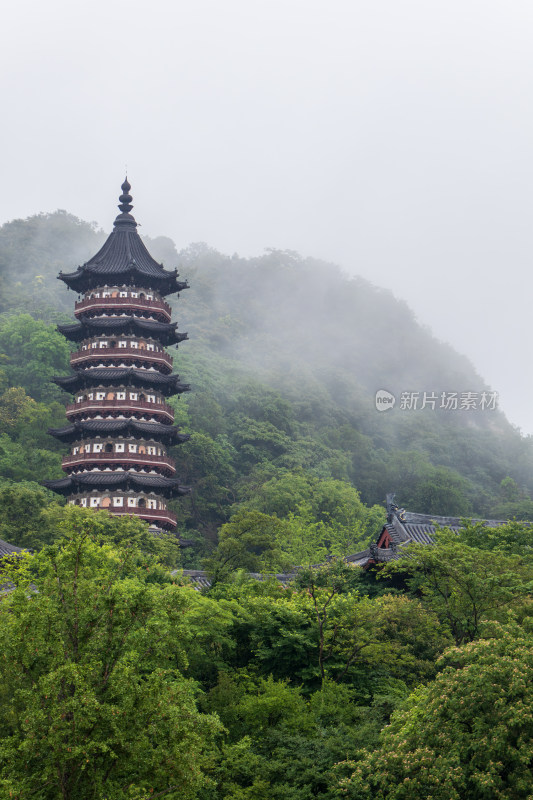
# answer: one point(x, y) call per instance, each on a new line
point(153, 430)
point(165, 332)
point(105, 481)
point(84, 278)
point(108, 376)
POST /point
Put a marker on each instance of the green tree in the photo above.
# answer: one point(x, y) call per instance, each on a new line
point(93, 701)
point(462, 585)
point(33, 352)
point(249, 541)
point(468, 734)
point(22, 518)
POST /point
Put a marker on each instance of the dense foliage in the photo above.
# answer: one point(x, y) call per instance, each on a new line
point(120, 681)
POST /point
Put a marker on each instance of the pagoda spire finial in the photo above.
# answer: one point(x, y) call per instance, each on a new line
point(125, 198)
point(125, 205)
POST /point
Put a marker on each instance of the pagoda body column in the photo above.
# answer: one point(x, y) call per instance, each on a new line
point(120, 423)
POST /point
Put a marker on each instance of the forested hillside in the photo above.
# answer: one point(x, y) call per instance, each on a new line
point(122, 681)
point(284, 359)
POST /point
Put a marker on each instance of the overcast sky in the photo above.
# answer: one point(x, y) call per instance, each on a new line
point(393, 137)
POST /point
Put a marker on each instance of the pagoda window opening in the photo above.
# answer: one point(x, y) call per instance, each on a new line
point(119, 447)
point(95, 501)
point(142, 502)
point(110, 396)
point(109, 447)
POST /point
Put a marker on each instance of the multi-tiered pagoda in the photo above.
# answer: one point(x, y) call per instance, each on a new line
point(120, 426)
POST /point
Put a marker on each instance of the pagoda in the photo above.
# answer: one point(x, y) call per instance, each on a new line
point(120, 426)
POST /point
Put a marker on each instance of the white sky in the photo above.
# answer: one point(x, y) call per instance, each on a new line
point(391, 136)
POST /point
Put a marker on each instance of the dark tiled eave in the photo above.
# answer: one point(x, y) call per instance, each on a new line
point(104, 427)
point(165, 332)
point(119, 376)
point(83, 481)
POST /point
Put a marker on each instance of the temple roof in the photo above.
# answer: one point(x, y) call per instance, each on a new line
point(7, 549)
point(405, 527)
point(105, 427)
point(124, 259)
point(109, 376)
point(119, 479)
point(165, 332)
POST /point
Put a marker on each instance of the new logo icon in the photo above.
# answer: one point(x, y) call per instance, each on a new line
point(384, 400)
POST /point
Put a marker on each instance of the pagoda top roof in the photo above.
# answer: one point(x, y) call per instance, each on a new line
point(124, 258)
point(111, 427)
point(119, 479)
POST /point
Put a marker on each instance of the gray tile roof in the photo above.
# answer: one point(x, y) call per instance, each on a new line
point(103, 427)
point(7, 549)
point(170, 487)
point(168, 384)
point(164, 331)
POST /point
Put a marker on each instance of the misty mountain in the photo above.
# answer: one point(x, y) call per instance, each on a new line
point(296, 346)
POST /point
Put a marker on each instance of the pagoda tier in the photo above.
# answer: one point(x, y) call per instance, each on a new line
point(120, 405)
point(120, 425)
point(120, 301)
point(124, 357)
